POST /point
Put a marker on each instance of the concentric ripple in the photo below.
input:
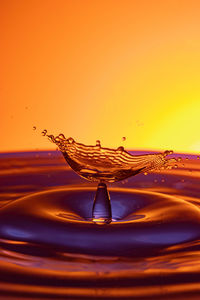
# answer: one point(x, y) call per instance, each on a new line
point(145, 222)
point(49, 248)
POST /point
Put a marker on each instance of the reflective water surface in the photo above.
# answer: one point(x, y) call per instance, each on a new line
point(51, 250)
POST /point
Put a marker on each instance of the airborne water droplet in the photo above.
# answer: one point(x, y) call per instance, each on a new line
point(34, 127)
point(124, 138)
point(44, 132)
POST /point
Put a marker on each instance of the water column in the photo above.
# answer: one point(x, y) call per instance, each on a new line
point(101, 211)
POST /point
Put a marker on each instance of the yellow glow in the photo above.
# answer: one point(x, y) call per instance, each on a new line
point(100, 70)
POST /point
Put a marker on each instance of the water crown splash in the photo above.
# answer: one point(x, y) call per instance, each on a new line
point(96, 163)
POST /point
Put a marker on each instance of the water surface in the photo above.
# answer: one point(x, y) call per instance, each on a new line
point(51, 250)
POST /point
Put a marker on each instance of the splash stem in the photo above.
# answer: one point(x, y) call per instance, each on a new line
point(101, 212)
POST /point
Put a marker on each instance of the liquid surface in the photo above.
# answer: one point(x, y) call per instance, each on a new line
point(96, 163)
point(51, 250)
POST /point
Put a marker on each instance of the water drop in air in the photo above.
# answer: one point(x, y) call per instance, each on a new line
point(44, 132)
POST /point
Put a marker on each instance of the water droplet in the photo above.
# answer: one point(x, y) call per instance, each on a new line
point(179, 159)
point(34, 127)
point(168, 152)
point(175, 166)
point(169, 167)
point(98, 143)
point(120, 149)
point(51, 138)
point(44, 132)
point(70, 140)
point(145, 173)
point(162, 180)
point(61, 136)
point(124, 138)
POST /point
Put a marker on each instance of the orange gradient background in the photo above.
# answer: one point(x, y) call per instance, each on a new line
point(100, 69)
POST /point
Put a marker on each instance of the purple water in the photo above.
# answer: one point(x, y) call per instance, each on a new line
point(50, 248)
